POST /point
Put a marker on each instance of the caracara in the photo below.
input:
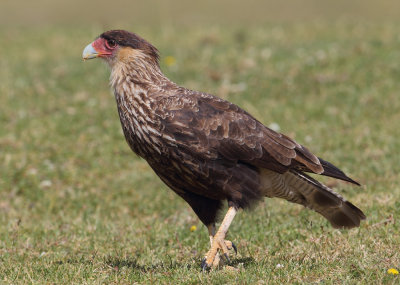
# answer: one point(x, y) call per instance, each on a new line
point(208, 150)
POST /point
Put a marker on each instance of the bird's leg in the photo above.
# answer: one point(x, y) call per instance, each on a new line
point(230, 245)
point(211, 234)
point(218, 241)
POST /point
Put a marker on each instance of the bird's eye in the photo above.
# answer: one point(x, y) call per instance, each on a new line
point(111, 44)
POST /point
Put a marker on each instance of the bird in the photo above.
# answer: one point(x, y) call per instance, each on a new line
point(208, 150)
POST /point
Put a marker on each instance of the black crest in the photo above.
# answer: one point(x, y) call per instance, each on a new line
point(125, 38)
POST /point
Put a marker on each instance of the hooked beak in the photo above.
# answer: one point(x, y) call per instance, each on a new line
point(90, 52)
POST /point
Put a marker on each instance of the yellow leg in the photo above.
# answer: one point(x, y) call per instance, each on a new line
point(211, 234)
point(218, 240)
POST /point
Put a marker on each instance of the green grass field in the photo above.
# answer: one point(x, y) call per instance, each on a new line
point(77, 206)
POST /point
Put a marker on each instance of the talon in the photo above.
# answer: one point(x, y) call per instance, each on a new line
point(227, 257)
point(234, 248)
point(219, 246)
point(204, 265)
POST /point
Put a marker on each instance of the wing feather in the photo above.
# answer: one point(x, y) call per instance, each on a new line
point(219, 129)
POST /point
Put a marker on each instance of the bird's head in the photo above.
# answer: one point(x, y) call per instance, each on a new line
point(118, 46)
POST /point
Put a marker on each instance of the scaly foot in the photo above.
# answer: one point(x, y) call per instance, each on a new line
point(218, 242)
point(213, 257)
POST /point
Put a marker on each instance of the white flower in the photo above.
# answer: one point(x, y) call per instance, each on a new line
point(45, 184)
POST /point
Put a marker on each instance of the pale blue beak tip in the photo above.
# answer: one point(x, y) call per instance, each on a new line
point(89, 52)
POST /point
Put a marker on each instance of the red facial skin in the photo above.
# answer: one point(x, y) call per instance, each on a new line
point(103, 47)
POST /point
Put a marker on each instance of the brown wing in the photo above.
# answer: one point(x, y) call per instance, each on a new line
point(217, 129)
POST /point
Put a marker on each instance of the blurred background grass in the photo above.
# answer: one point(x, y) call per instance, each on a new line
point(181, 12)
point(76, 206)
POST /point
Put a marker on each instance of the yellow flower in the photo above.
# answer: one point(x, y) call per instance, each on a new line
point(193, 228)
point(393, 271)
point(170, 60)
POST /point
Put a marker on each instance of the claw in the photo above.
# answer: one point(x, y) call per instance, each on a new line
point(234, 248)
point(227, 257)
point(204, 265)
point(219, 246)
point(221, 251)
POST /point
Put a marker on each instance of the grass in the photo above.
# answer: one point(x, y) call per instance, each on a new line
point(76, 206)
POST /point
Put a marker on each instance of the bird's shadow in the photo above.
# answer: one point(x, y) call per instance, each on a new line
point(244, 261)
point(133, 263)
